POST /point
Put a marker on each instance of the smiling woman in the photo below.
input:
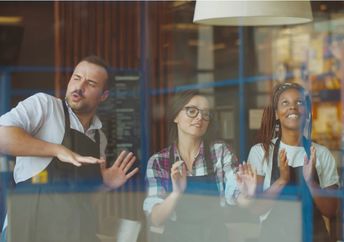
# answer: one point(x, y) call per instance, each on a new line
point(285, 156)
point(195, 163)
point(290, 110)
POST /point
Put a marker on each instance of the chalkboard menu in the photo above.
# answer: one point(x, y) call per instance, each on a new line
point(120, 115)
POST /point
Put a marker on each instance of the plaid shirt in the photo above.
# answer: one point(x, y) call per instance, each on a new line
point(158, 173)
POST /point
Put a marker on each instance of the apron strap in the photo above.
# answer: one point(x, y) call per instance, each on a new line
point(67, 121)
point(207, 156)
point(275, 173)
point(209, 160)
point(318, 224)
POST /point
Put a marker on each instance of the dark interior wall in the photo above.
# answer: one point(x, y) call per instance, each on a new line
point(109, 29)
point(36, 49)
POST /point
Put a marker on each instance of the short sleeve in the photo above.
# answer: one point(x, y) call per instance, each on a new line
point(229, 162)
point(103, 143)
point(255, 158)
point(29, 114)
point(326, 167)
point(156, 179)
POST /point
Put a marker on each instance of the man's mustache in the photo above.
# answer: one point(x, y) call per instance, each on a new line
point(78, 92)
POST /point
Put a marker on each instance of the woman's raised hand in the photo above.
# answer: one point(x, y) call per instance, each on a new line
point(178, 176)
point(247, 180)
point(309, 166)
point(283, 167)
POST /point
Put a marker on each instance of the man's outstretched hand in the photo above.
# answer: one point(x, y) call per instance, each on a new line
point(66, 155)
point(116, 175)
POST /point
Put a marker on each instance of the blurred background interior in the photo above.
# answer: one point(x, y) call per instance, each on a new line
point(154, 50)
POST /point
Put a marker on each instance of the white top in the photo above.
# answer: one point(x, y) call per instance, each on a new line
point(42, 116)
point(325, 163)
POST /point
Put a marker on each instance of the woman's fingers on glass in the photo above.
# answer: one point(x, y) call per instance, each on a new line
point(183, 170)
point(239, 169)
point(254, 170)
point(174, 172)
point(249, 169)
point(178, 168)
point(313, 154)
point(244, 165)
point(180, 165)
point(282, 154)
point(283, 158)
point(238, 178)
point(306, 161)
point(244, 169)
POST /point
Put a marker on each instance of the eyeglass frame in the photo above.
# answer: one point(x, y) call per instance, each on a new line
point(210, 115)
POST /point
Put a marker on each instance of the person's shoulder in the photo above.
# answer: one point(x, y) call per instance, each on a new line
point(260, 146)
point(257, 146)
point(160, 159)
point(320, 148)
point(163, 153)
point(220, 144)
point(44, 98)
point(42, 95)
point(257, 151)
point(40, 103)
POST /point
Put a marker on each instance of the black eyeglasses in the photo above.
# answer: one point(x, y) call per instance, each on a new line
point(193, 111)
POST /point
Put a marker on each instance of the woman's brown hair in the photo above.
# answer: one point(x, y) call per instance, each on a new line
point(177, 104)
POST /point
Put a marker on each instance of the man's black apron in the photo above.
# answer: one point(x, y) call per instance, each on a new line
point(60, 211)
point(281, 221)
point(199, 219)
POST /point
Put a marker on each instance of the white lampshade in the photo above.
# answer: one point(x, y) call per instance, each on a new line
point(252, 12)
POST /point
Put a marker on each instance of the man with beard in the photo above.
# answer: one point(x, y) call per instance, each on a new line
point(62, 141)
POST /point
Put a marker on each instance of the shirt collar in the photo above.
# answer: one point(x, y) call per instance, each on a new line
point(177, 156)
point(95, 122)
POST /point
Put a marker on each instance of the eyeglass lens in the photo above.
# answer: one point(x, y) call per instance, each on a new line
point(192, 112)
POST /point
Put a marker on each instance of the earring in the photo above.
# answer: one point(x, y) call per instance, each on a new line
point(277, 127)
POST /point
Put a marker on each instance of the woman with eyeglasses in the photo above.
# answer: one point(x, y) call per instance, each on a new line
point(186, 179)
point(288, 163)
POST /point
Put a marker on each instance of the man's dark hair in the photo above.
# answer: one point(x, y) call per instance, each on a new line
point(96, 60)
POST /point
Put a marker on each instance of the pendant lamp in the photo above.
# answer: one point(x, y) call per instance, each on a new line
point(252, 12)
